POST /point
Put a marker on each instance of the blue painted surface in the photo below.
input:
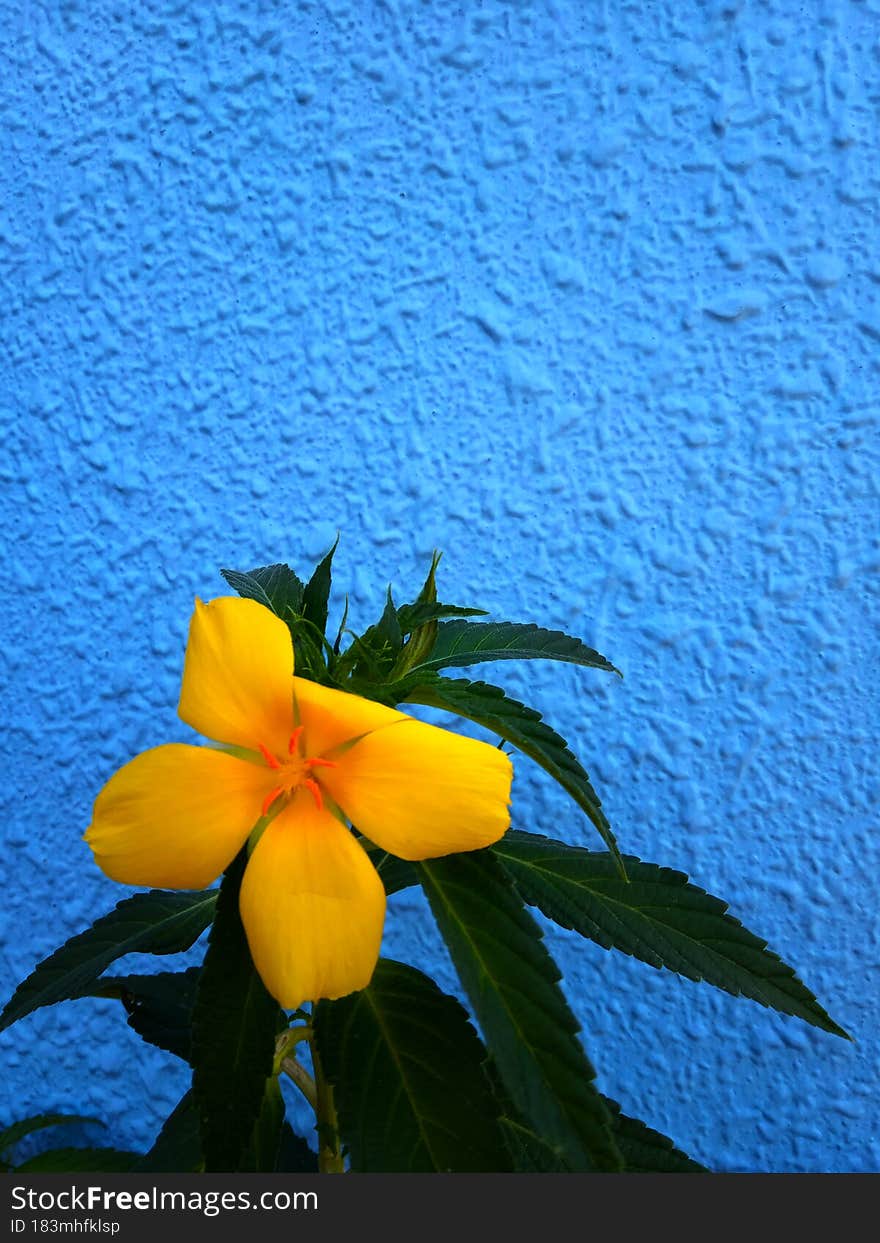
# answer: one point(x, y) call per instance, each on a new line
point(586, 296)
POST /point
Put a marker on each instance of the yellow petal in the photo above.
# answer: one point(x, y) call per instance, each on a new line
point(312, 906)
point(174, 817)
point(238, 674)
point(331, 717)
point(420, 791)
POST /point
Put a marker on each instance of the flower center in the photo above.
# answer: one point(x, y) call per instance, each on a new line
point(294, 770)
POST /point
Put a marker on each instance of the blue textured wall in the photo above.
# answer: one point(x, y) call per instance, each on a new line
point(585, 295)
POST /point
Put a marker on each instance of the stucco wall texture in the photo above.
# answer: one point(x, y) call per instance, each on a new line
point(585, 295)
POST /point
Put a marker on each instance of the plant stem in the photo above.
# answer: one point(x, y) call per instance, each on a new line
point(302, 1079)
point(330, 1160)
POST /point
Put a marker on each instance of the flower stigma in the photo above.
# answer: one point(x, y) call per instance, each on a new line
point(293, 771)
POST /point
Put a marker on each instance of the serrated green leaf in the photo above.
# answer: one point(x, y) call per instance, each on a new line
point(177, 1148)
point(317, 592)
point(233, 1040)
point(512, 983)
point(80, 1161)
point(275, 586)
point(159, 1007)
point(646, 1151)
point(462, 643)
point(40, 1122)
point(422, 621)
point(413, 616)
point(523, 727)
point(658, 917)
point(156, 922)
point(406, 1066)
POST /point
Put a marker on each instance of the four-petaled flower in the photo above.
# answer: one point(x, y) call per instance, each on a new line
point(297, 761)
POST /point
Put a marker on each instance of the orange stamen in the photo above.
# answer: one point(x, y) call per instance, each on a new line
point(315, 790)
point(270, 799)
point(294, 738)
point(268, 756)
point(318, 763)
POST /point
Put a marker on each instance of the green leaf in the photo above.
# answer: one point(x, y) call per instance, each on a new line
point(413, 616)
point(406, 1066)
point(310, 650)
point(40, 1122)
point(80, 1161)
point(262, 1152)
point(524, 727)
point(461, 643)
point(386, 637)
point(530, 1154)
point(658, 917)
point(159, 1007)
point(275, 586)
point(512, 983)
point(646, 1151)
point(372, 655)
point(178, 1148)
point(317, 592)
point(395, 873)
point(156, 922)
point(233, 1044)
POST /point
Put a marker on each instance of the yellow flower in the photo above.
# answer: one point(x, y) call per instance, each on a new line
point(304, 758)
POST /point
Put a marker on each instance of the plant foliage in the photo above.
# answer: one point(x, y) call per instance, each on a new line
point(403, 1077)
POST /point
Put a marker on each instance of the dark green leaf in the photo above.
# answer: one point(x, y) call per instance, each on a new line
point(512, 983)
point(373, 654)
point(646, 1151)
point(80, 1161)
point(233, 1043)
point(159, 1007)
point(395, 873)
point(386, 637)
point(178, 1148)
point(419, 621)
point(317, 592)
point(337, 642)
point(658, 917)
point(412, 616)
point(294, 1154)
point(529, 1153)
point(275, 586)
point(406, 1065)
point(18, 1130)
point(262, 1153)
point(461, 643)
point(489, 706)
point(156, 922)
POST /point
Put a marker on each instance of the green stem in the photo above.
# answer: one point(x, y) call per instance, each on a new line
point(288, 1040)
point(302, 1079)
point(330, 1159)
